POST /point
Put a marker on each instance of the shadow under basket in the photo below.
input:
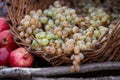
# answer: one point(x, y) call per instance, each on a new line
point(109, 51)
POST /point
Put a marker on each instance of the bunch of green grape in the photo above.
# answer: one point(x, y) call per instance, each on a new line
point(59, 30)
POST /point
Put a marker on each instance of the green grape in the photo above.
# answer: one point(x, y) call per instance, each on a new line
point(50, 13)
point(88, 44)
point(63, 18)
point(96, 33)
point(35, 44)
point(57, 21)
point(44, 41)
point(69, 18)
point(43, 20)
point(40, 35)
point(57, 4)
point(57, 37)
point(88, 39)
point(35, 16)
point(72, 11)
point(50, 36)
point(50, 23)
point(45, 12)
point(47, 27)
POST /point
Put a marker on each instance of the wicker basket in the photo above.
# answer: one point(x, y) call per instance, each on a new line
point(110, 51)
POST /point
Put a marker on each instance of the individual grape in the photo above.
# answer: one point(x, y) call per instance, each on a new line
point(63, 18)
point(39, 25)
point(50, 13)
point(75, 63)
point(45, 12)
point(76, 36)
point(29, 30)
point(82, 37)
point(33, 22)
point(81, 56)
point(59, 51)
point(44, 41)
point(26, 24)
point(76, 49)
point(59, 10)
point(88, 39)
point(94, 41)
point(47, 48)
point(20, 28)
point(67, 12)
point(40, 35)
point(82, 46)
point(27, 40)
point(57, 44)
point(59, 33)
point(57, 29)
point(69, 18)
point(65, 23)
point(68, 30)
point(43, 20)
point(72, 11)
point(22, 21)
point(65, 33)
point(27, 17)
point(96, 33)
point(35, 16)
point(88, 44)
point(33, 27)
point(26, 35)
point(50, 23)
point(36, 31)
point(74, 16)
point(35, 44)
point(75, 29)
point(58, 16)
point(32, 13)
point(57, 21)
point(52, 50)
point(70, 47)
point(39, 12)
point(57, 4)
point(50, 36)
point(22, 34)
point(47, 28)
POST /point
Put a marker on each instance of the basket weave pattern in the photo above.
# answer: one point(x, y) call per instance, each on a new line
point(100, 52)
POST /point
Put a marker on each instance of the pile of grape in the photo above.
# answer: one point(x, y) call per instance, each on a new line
point(59, 30)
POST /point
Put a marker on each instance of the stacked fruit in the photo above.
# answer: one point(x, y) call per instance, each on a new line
point(17, 58)
point(59, 30)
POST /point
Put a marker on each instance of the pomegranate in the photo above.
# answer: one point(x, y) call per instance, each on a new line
point(3, 25)
point(21, 58)
point(6, 40)
point(4, 56)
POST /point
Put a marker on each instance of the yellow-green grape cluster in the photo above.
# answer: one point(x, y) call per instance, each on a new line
point(30, 25)
point(59, 30)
